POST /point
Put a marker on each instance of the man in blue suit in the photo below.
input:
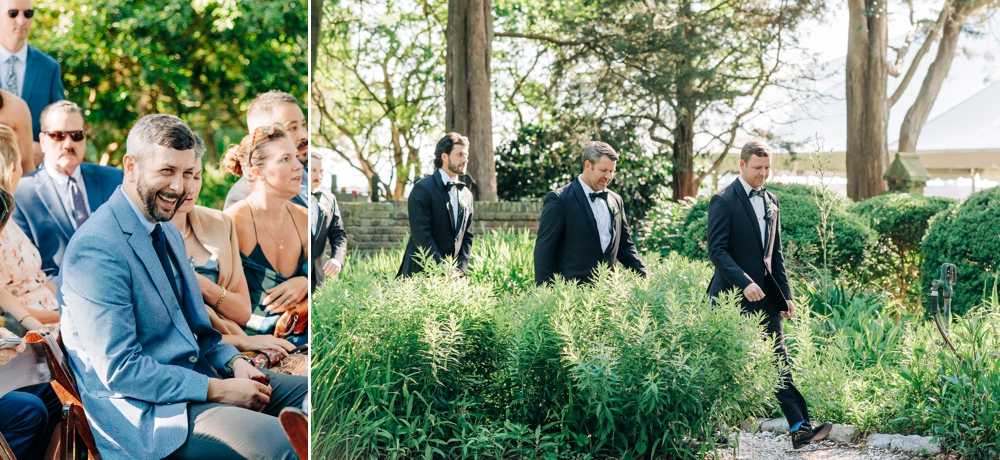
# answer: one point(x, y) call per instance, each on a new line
point(55, 200)
point(153, 376)
point(25, 71)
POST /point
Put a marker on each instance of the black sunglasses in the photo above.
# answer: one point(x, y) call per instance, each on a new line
point(60, 136)
point(27, 13)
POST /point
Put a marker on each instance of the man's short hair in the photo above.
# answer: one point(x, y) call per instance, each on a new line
point(159, 129)
point(755, 148)
point(595, 150)
point(59, 106)
point(262, 105)
point(446, 145)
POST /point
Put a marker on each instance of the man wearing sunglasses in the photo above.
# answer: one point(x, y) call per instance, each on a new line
point(27, 72)
point(55, 200)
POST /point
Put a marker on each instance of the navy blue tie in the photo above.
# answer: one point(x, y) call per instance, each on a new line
point(80, 213)
point(160, 246)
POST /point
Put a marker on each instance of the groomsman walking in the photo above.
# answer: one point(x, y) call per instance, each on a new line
point(744, 244)
point(583, 224)
point(440, 209)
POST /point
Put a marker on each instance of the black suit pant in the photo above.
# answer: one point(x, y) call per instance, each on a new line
point(792, 404)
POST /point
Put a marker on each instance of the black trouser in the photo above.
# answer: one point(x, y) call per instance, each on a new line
point(792, 404)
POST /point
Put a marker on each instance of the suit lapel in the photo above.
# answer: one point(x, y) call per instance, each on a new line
point(771, 228)
point(443, 193)
point(588, 213)
point(30, 75)
point(142, 245)
point(46, 188)
point(615, 227)
point(745, 199)
point(189, 285)
point(93, 185)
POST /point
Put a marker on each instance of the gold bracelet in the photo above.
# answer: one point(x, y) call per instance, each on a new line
point(217, 304)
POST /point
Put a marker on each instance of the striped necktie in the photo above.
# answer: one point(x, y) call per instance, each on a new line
point(12, 76)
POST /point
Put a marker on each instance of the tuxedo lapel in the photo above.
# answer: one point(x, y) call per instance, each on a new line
point(741, 193)
point(46, 188)
point(585, 209)
point(771, 229)
point(444, 195)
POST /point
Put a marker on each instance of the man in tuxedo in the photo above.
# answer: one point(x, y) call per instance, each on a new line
point(325, 225)
point(440, 209)
point(583, 224)
point(27, 72)
point(154, 376)
point(744, 244)
point(265, 110)
point(56, 199)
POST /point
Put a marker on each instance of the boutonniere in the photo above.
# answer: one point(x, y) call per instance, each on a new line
point(614, 210)
point(464, 205)
point(769, 207)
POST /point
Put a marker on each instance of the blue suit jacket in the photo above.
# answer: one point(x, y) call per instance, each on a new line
point(40, 213)
point(42, 86)
point(138, 354)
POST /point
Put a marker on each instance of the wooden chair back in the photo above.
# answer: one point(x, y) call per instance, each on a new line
point(77, 440)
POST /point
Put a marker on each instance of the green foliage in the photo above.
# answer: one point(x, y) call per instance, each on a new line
point(901, 221)
point(677, 227)
point(965, 235)
point(627, 368)
point(215, 186)
point(202, 61)
point(538, 161)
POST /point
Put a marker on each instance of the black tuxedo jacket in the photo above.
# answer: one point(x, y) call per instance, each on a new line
point(329, 227)
point(431, 225)
point(568, 241)
point(736, 251)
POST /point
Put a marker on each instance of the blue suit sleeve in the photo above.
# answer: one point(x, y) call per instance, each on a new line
point(103, 319)
point(58, 93)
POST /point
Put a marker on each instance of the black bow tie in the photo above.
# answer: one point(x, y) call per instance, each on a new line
point(602, 195)
point(759, 193)
point(459, 184)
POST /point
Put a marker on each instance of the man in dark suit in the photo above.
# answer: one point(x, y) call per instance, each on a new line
point(583, 224)
point(440, 209)
point(55, 200)
point(27, 72)
point(325, 225)
point(744, 244)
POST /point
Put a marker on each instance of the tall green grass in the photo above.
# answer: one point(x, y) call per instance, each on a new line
point(493, 367)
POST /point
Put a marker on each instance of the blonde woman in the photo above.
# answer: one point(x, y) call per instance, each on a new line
point(272, 233)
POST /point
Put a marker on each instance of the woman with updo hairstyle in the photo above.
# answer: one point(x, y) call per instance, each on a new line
point(272, 233)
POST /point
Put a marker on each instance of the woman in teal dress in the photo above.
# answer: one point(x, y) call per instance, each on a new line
point(272, 233)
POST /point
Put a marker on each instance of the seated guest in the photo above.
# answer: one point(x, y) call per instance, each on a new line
point(210, 242)
point(153, 375)
point(265, 110)
point(324, 224)
point(31, 413)
point(20, 264)
point(55, 200)
point(272, 232)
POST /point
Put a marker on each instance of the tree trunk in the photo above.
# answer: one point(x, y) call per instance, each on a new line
point(867, 107)
point(685, 181)
point(211, 145)
point(315, 22)
point(467, 88)
point(916, 116)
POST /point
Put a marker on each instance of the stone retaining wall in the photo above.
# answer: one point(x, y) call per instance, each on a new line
point(375, 226)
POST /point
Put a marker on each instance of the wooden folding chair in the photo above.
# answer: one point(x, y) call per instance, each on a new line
point(296, 426)
point(5, 452)
point(77, 440)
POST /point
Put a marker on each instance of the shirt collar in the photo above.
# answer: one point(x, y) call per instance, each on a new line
point(445, 177)
point(143, 220)
point(746, 186)
point(22, 54)
point(586, 188)
point(61, 178)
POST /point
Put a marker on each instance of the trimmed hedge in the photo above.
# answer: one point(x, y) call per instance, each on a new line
point(966, 235)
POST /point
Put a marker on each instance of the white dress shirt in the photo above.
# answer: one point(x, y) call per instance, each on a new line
point(19, 69)
point(62, 188)
point(453, 194)
point(758, 208)
point(602, 214)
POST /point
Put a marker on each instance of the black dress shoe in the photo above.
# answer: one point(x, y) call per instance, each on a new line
point(806, 434)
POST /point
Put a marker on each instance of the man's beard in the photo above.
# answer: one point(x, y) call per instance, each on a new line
point(148, 197)
point(455, 169)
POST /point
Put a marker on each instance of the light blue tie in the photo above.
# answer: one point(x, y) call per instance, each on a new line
point(12, 76)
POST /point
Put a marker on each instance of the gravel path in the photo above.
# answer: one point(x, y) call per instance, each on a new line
point(769, 446)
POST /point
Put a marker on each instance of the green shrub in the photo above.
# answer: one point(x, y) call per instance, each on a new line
point(676, 227)
point(965, 235)
point(626, 368)
point(901, 221)
point(215, 186)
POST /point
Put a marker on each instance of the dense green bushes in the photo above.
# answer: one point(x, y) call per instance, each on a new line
point(427, 367)
point(966, 236)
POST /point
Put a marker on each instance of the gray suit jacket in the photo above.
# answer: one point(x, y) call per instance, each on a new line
point(138, 354)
